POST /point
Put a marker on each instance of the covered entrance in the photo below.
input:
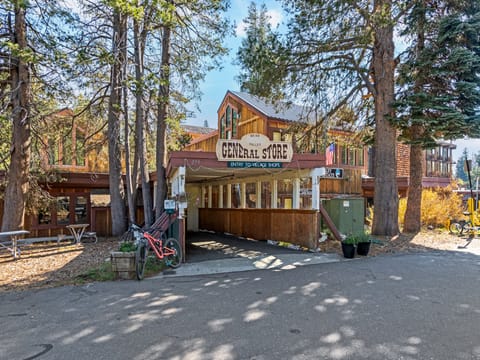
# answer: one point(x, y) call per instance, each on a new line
point(281, 204)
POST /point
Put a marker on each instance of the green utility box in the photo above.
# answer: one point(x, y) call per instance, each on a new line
point(348, 214)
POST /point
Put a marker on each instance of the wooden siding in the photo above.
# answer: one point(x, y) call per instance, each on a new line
point(208, 144)
point(350, 184)
point(298, 227)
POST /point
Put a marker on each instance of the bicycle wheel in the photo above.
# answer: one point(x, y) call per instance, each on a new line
point(456, 228)
point(173, 260)
point(141, 259)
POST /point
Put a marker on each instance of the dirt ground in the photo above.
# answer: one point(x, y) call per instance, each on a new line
point(49, 264)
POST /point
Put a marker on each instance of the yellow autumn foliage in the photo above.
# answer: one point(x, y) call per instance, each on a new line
point(438, 206)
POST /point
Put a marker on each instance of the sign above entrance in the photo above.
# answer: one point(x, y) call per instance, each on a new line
point(252, 148)
point(256, 164)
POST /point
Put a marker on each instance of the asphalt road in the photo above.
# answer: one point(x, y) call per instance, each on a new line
point(417, 306)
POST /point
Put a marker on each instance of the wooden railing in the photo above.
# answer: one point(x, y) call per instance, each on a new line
point(300, 227)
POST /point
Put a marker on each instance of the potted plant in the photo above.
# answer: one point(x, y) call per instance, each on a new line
point(363, 244)
point(123, 260)
point(348, 246)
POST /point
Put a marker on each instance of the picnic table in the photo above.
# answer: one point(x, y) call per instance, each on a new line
point(77, 231)
point(13, 238)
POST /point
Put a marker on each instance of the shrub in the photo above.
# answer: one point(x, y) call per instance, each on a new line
point(127, 246)
point(438, 206)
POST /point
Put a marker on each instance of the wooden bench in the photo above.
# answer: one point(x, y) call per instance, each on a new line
point(162, 224)
point(58, 238)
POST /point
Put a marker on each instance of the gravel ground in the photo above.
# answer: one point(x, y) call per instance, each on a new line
point(48, 264)
point(51, 264)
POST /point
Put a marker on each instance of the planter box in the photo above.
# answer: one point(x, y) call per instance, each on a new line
point(123, 264)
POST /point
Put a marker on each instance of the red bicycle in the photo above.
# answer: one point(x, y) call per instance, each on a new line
point(166, 249)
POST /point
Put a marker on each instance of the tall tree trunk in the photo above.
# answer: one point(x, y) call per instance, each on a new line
point(117, 193)
point(163, 101)
point(140, 143)
point(413, 213)
point(19, 170)
point(412, 221)
point(385, 220)
point(128, 166)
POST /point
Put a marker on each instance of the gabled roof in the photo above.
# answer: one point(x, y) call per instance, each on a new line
point(197, 129)
point(281, 111)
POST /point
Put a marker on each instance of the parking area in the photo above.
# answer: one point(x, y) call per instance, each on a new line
point(204, 246)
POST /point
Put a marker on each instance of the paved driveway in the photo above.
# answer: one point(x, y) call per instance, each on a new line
point(212, 253)
point(204, 245)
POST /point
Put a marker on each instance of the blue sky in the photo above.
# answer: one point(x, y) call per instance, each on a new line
point(218, 82)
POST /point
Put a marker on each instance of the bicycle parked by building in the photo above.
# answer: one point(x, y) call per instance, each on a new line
point(470, 226)
point(166, 249)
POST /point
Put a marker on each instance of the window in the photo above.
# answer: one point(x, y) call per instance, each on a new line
point(306, 193)
point(68, 149)
point(344, 153)
point(63, 210)
point(285, 194)
point(235, 117)
point(80, 149)
point(236, 196)
point(228, 117)
point(53, 155)
point(229, 123)
point(44, 216)
point(66, 209)
point(81, 210)
point(251, 195)
point(222, 127)
point(438, 162)
point(360, 157)
point(266, 195)
point(350, 155)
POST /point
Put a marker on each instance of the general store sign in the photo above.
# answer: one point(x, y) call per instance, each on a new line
point(252, 148)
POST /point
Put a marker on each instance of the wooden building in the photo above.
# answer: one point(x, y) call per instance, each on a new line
point(74, 161)
point(256, 175)
point(266, 199)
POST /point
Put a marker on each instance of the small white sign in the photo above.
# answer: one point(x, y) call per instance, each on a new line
point(169, 204)
point(346, 203)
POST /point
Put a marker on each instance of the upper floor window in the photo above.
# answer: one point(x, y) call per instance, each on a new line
point(280, 135)
point(438, 162)
point(348, 155)
point(68, 149)
point(229, 123)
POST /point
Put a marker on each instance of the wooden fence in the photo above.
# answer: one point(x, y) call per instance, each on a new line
point(300, 227)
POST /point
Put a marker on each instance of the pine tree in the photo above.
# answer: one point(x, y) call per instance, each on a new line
point(460, 169)
point(440, 85)
point(33, 73)
point(261, 70)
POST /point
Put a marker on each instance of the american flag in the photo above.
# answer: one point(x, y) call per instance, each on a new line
point(330, 153)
